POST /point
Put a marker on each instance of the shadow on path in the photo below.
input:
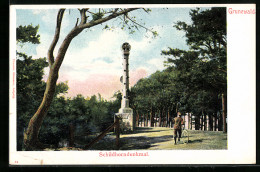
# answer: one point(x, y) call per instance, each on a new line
point(142, 142)
point(196, 141)
point(145, 130)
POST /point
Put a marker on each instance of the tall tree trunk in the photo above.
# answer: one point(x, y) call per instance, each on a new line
point(216, 121)
point(137, 119)
point(71, 135)
point(168, 118)
point(31, 141)
point(197, 122)
point(213, 122)
point(224, 114)
point(151, 117)
point(201, 122)
point(160, 118)
point(155, 117)
point(220, 122)
point(195, 119)
point(31, 135)
point(188, 121)
point(146, 119)
point(141, 121)
point(210, 122)
point(163, 118)
point(205, 122)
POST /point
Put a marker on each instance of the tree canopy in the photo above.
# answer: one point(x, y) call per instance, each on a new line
point(28, 34)
point(194, 79)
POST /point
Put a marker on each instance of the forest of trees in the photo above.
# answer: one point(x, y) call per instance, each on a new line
point(194, 82)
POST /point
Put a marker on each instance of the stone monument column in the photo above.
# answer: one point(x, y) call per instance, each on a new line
point(125, 112)
point(125, 80)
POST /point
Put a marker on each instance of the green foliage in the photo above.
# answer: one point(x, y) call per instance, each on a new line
point(202, 69)
point(25, 34)
point(61, 88)
point(30, 89)
point(154, 92)
point(128, 22)
point(207, 34)
point(195, 78)
point(87, 116)
point(97, 16)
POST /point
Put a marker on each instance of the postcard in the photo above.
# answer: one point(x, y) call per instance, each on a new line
point(132, 84)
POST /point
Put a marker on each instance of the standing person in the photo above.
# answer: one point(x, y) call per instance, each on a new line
point(178, 122)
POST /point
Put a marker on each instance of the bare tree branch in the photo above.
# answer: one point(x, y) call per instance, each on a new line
point(139, 24)
point(56, 37)
point(76, 30)
point(111, 11)
point(91, 12)
point(83, 15)
point(145, 10)
point(102, 20)
point(77, 22)
point(116, 10)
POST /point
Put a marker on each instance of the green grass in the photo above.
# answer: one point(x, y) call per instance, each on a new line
point(158, 138)
point(161, 138)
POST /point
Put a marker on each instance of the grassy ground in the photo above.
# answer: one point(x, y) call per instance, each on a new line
point(161, 138)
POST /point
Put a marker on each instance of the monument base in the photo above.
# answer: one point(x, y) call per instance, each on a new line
point(126, 119)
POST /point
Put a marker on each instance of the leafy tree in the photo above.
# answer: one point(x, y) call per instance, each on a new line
point(69, 119)
point(201, 70)
point(194, 78)
point(88, 19)
point(116, 104)
point(30, 88)
point(206, 37)
point(55, 126)
point(155, 95)
point(25, 34)
point(30, 84)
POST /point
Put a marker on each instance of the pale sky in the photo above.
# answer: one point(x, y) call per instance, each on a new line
point(93, 62)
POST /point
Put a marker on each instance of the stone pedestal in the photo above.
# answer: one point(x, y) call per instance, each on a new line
point(125, 113)
point(126, 121)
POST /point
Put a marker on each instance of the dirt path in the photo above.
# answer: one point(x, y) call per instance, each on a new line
point(161, 138)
